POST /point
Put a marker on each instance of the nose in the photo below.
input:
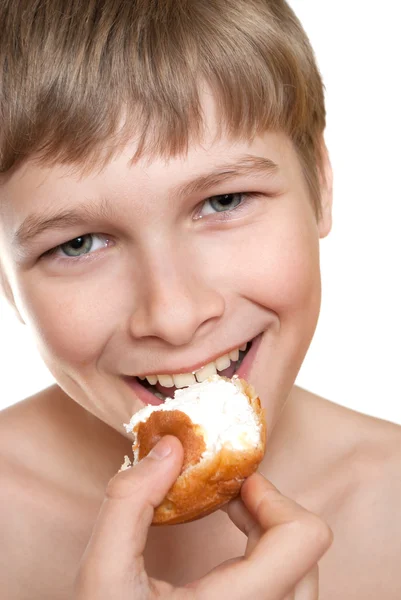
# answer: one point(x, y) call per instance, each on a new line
point(174, 302)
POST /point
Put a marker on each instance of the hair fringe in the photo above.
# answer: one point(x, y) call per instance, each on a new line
point(78, 80)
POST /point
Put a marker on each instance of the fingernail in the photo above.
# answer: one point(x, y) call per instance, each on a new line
point(161, 450)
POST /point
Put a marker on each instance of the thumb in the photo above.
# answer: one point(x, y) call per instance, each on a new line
point(119, 536)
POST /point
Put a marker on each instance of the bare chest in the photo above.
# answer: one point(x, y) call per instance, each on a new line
point(358, 566)
point(184, 553)
point(46, 548)
point(47, 532)
point(44, 539)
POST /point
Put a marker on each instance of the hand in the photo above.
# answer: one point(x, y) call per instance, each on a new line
point(285, 541)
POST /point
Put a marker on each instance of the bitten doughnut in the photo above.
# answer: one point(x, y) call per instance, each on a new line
point(222, 428)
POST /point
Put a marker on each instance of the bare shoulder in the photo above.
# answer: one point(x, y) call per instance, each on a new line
point(20, 421)
point(377, 505)
point(41, 530)
point(56, 460)
point(367, 525)
point(27, 502)
point(24, 432)
point(31, 436)
point(379, 476)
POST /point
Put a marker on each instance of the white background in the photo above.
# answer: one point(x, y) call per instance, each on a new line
point(354, 358)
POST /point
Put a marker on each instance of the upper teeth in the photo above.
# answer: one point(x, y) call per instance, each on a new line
point(185, 379)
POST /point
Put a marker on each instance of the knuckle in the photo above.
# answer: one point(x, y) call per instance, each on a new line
point(323, 534)
point(89, 568)
point(94, 581)
point(85, 584)
point(317, 532)
point(122, 485)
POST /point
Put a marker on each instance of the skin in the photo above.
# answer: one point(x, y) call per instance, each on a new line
point(166, 293)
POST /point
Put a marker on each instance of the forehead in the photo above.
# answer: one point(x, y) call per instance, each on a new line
point(38, 191)
point(212, 159)
point(213, 146)
point(38, 198)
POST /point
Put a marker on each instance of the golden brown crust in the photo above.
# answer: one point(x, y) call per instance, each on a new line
point(171, 422)
point(205, 485)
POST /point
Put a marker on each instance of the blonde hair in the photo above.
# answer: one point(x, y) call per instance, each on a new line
point(79, 78)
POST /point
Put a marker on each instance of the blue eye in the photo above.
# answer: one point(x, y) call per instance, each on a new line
point(222, 203)
point(79, 246)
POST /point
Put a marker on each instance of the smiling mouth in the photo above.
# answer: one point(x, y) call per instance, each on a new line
point(164, 386)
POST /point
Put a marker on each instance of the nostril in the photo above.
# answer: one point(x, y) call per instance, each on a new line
point(175, 311)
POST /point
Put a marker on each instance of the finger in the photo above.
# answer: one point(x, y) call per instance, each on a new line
point(119, 536)
point(308, 587)
point(294, 541)
point(271, 509)
point(277, 510)
point(220, 569)
point(242, 518)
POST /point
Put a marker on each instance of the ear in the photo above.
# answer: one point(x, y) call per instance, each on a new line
point(326, 187)
point(6, 291)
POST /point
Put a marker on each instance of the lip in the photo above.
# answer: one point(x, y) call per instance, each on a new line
point(245, 367)
point(146, 397)
point(192, 368)
point(143, 394)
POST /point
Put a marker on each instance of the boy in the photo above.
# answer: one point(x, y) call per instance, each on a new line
point(164, 185)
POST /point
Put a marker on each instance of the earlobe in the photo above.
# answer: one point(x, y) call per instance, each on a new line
point(6, 291)
point(326, 186)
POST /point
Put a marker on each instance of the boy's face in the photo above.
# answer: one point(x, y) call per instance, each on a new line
point(174, 276)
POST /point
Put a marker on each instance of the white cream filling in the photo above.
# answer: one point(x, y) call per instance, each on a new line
point(219, 407)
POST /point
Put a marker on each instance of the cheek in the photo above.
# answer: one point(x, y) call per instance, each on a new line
point(72, 321)
point(273, 262)
point(291, 273)
point(276, 263)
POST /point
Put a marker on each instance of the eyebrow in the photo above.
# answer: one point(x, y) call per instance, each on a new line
point(34, 225)
point(246, 165)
